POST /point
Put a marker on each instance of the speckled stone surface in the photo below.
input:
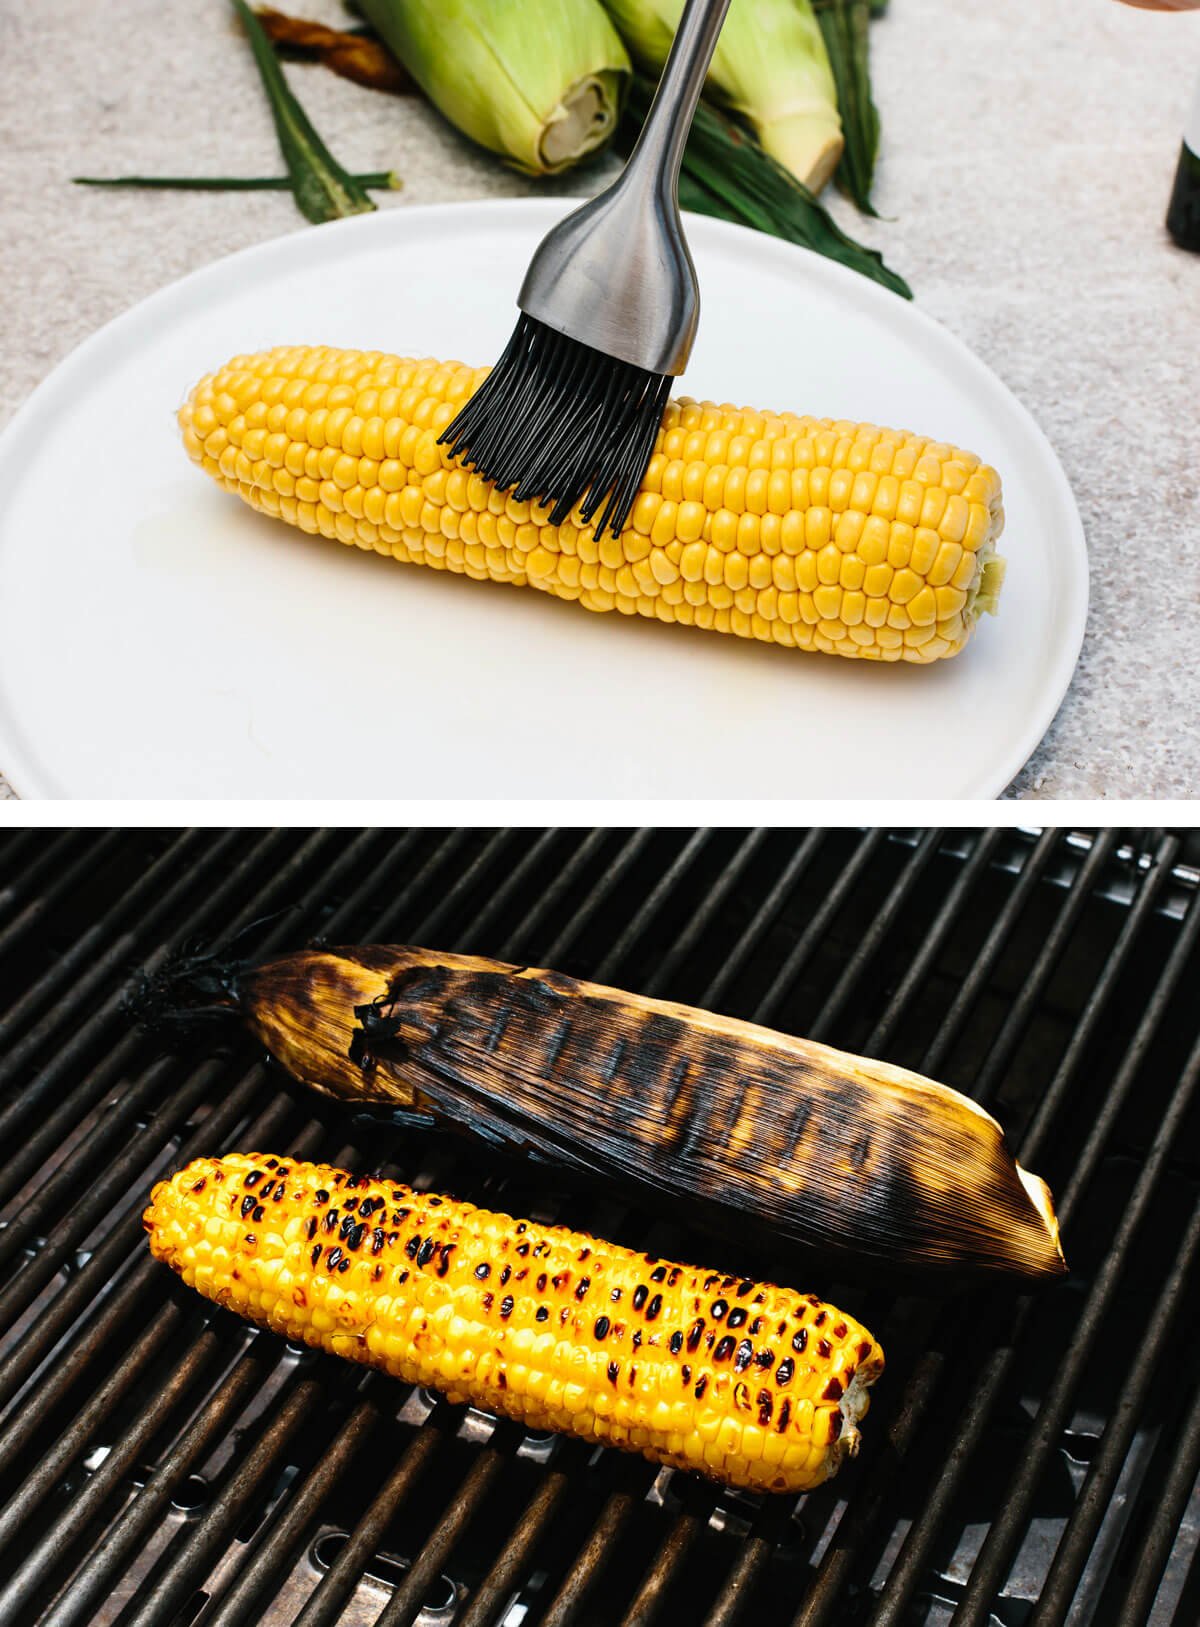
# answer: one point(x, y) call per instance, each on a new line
point(1028, 154)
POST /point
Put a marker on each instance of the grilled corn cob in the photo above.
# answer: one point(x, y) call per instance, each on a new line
point(816, 534)
point(856, 1158)
point(751, 1385)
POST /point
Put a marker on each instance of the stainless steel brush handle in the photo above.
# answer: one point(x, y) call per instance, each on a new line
point(659, 149)
point(616, 274)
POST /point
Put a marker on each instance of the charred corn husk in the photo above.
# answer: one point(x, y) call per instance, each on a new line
point(816, 534)
point(860, 1159)
point(752, 1385)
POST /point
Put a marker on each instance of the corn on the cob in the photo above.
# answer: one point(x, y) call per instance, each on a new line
point(856, 1158)
point(752, 1385)
point(816, 534)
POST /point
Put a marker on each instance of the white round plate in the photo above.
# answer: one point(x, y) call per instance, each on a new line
point(160, 639)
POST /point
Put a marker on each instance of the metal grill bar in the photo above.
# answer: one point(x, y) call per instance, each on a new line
point(106, 1481)
point(431, 925)
point(82, 966)
point(615, 873)
point(489, 1598)
point(734, 1598)
point(870, 1500)
point(27, 856)
point(990, 1076)
point(873, 938)
point(189, 1566)
point(703, 917)
point(277, 1109)
point(141, 1515)
point(404, 1604)
point(563, 880)
point(809, 939)
point(915, 1552)
point(71, 1048)
point(64, 883)
point(28, 878)
point(106, 1260)
point(674, 1551)
point(477, 868)
point(102, 1193)
point(1093, 1500)
point(976, 979)
point(596, 1552)
point(72, 1441)
point(127, 1231)
point(936, 938)
point(765, 916)
point(54, 1029)
point(339, 1582)
point(619, 952)
point(1170, 1502)
point(510, 888)
point(262, 1569)
point(856, 1530)
point(1001, 1541)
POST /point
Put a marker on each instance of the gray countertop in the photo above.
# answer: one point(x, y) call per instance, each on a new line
point(1028, 152)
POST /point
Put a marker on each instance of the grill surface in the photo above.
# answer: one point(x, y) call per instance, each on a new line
point(1025, 1461)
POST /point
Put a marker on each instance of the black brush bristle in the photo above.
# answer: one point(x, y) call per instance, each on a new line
point(558, 421)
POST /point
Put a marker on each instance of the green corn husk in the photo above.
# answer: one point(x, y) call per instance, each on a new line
point(383, 180)
point(770, 68)
point(844, 25)
point(727, 174)
point(539, 81)
point(323, 190)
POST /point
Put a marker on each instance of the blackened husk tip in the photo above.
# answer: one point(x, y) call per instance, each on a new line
point(191, 990)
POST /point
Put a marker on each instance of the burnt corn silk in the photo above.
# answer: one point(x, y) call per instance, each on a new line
point(754, 1386)
point(867, 1162)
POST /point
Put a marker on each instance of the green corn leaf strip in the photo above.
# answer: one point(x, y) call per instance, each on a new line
point(844, 25)
point(384, 180)
point(727, 174)
point(323, 190)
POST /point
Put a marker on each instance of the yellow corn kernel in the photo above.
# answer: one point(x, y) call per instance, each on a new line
point(742, 521)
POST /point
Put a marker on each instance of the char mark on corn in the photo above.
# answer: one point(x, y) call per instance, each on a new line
point(590, 1339)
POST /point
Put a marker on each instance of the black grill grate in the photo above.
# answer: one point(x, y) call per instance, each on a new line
point(1025, 1461)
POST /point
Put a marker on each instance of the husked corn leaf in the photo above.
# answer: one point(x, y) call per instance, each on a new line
point(322, 188)
point(726, 173)
point(857, 1158)
point(844, 24)
point(381, 180)
point(353, 54)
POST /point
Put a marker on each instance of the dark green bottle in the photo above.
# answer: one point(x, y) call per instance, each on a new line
point(1183, 212)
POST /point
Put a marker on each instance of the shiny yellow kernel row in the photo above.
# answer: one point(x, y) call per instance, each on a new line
point(814, 534)
point(753, 1385)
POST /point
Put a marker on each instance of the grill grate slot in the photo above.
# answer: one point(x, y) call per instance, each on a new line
point(161, 1463)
